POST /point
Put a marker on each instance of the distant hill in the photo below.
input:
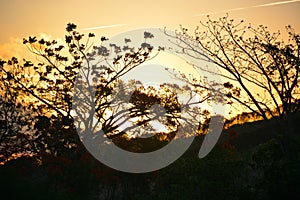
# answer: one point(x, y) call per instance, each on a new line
point(250, 134)
point(242, 132)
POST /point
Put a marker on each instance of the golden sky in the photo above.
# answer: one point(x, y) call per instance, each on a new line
point(22, 18)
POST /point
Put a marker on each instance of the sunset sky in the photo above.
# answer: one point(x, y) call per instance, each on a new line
point(48, 19)
point(23, 18)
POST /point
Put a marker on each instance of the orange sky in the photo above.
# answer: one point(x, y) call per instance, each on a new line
point(22, 18)
point(34, 17)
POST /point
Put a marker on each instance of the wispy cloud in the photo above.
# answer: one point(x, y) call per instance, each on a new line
point(107, 26)
point(243, 8)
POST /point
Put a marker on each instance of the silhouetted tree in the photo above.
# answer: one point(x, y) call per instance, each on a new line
point(49, 85)
point(76, 67)
point(17, 134)
point(262, 71)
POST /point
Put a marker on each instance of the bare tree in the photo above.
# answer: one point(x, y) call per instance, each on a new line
point(262, 71)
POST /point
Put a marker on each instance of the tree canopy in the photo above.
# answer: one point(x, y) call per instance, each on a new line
point(64, 72)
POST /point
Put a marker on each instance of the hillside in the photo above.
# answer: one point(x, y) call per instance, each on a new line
point(245, 164)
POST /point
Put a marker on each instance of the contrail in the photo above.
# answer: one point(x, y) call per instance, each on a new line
point(107, 26)
point(243, 8)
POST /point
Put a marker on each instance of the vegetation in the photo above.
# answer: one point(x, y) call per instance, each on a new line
point(251, 160)
point(261, 69)
point(228, 172)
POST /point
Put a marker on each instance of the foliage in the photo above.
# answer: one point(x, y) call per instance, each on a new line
point(46, 89)
point(36, 103)
point(66, 77)
point(16, 121)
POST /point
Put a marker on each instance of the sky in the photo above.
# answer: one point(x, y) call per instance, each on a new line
point(48, 19)
point(19, 19)
point(23, 18)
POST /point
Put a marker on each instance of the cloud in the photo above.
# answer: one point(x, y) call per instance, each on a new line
point(244, 8)
point(15, 47)
point(276, 3)
point(107, 26)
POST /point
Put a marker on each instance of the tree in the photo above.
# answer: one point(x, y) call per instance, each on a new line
point(48, 86)
point(262, 71)
point(16, 121)
point(62, 70)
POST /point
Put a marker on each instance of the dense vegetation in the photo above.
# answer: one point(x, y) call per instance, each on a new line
point(230, 171)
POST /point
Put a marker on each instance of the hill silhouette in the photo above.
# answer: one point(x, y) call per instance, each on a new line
point(245, 164)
